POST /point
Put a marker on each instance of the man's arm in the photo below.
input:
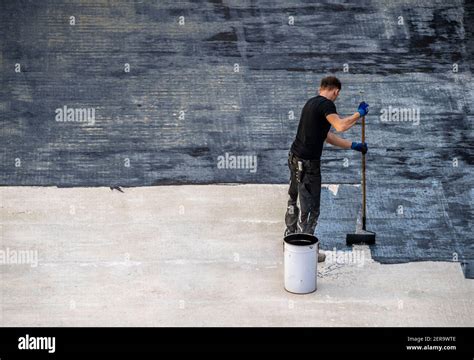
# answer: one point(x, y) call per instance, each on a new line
point(342, 124)
point(335, 140)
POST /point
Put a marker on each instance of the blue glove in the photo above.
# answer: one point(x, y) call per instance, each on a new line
point(359, 147)
point(363, 108)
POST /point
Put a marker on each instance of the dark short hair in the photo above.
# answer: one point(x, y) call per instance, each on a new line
point(330, 82)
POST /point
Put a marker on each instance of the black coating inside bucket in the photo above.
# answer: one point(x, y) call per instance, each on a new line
point(300, 239)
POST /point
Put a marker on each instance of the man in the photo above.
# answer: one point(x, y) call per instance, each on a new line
point(317, 117)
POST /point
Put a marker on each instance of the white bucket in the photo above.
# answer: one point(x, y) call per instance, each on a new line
point(300, 263)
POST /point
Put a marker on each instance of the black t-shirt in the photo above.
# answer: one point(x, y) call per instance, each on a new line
point(313, 128)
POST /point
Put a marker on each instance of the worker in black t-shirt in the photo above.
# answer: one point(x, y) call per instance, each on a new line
point(317, 116)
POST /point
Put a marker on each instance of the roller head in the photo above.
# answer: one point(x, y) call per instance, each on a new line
point(362, 237)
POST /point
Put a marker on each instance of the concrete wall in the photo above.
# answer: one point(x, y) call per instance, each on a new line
point(183, 104)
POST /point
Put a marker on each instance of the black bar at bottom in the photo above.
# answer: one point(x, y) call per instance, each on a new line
point(449, 343)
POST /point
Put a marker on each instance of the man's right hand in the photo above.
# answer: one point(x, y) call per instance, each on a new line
point(363, 108)
point(362, 147)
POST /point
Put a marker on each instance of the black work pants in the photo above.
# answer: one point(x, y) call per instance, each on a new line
point(307, 185)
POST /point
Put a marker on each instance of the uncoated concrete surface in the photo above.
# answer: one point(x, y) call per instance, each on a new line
point(197, 256)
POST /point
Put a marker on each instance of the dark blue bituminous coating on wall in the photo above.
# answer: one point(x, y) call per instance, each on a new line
point(190, 68)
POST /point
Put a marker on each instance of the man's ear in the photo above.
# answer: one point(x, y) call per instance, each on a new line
point(337, 92)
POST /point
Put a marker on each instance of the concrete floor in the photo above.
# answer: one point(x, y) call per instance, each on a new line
point(196, 256)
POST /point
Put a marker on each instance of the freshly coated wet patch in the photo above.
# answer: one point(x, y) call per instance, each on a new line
point(409, 227)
